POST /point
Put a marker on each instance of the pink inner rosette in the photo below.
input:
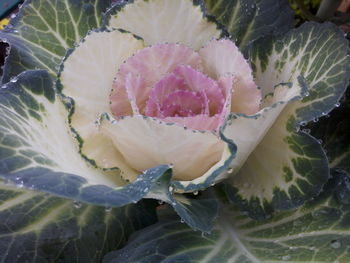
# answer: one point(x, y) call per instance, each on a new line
point(169, 82)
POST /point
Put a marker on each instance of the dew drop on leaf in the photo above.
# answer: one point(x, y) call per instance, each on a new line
point(14, 80)
point(19, 183)
point(335, 244)
point(77, 204)
point(306, 131)
point(286, 257)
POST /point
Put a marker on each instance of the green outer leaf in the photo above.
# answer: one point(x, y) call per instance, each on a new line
point(199, 213)
point(248, 20)
point(43, 30)
point(284, 169)
point(303, 179)
point(38, 152)
point(317, 232)
point(35, 227)
point(333, 131)
point(318, 52)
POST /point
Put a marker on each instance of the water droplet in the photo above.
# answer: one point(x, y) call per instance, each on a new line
point(315, 120)
point(337, 105)
point(302, 123)
point(171, 189)
point(160, 202)
point(335, 244)
point(195, 192)
point(145, 190)
point(14, 80)
point(77, 204)
point(306, 131)
point(182, 221)
point(230, 170)
point(108, 209)
point(319, 141)
point(286, 257)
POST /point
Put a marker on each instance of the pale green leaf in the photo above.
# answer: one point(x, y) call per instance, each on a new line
point(157, 21)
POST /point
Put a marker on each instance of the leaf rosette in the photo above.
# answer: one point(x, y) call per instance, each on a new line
point(157, 103)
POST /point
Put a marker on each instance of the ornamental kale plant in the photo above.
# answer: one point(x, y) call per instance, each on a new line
point(202, 129)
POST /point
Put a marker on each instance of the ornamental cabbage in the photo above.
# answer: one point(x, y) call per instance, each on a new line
point(197, 104)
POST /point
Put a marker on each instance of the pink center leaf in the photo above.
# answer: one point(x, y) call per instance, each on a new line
point(166, 81)
point(184, 103)
point(149, 64)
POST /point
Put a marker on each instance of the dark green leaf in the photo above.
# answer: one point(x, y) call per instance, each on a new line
point(248, 20)
point(43, 30)
point(318, 232)
point(35, 227)
point(333, 131)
